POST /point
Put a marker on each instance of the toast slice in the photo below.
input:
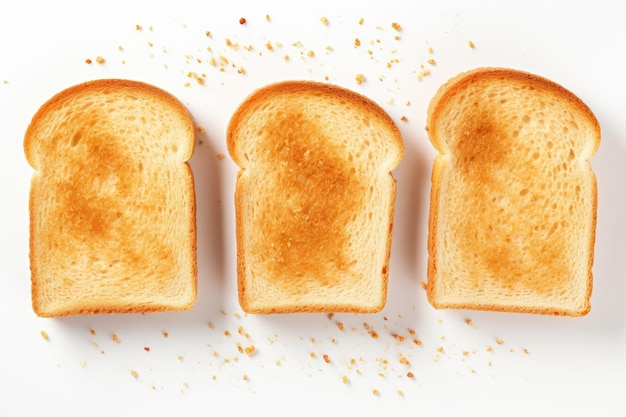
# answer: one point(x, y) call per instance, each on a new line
point(314, 199)
point(513, 199)
point(112, 206)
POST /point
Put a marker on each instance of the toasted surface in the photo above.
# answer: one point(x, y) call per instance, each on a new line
point(513, 200)
point(314, 199)
point(112, 209)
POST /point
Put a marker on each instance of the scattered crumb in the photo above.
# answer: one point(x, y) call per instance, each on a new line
point(226, 333)
point(166, 334)
point(359, 78)
point(138, 27)
point(440, 349)
point(267, 17)
point(431, 61)
point(404, 361)
point(147, 348)
point(470, 44)
point(324, 21)
point(100, 60)
point(423, 284)
point(326, 359)
point(499, 341)
point(357, 42)
point(525, 351)
point(340, 325)
point(134, 373)
point(361, 20)
point(404, 119)
point(310, 54)
point(115, 338)
point(396, 26)
point(468, 322)
point(180, 358)
point(92, 332)
point(242, 21)
point(245, 378)
point(345, 380)
point(44, 335)
point(375, 392)
point(211, 325)
point(410, 375)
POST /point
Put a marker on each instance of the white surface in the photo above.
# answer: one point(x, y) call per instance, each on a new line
point(571, 365)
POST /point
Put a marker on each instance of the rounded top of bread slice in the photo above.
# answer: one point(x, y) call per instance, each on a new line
point(502, 81)
point(339, 112)
point(114, 104)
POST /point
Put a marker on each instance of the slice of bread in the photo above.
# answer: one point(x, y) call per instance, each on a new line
point(314, 199)
point(112, 206)
point(513, 199)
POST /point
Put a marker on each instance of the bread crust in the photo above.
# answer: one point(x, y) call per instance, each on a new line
point(41, 144)
point(241, 119)
point(438, 113)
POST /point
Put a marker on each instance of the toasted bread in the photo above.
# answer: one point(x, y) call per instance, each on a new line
point(513, 199)
point(314, 199)
point(112, 208)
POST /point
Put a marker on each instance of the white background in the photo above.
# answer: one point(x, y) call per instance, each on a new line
point(543, 365)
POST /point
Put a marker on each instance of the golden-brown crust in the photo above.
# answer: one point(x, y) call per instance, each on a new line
point(439, 103)
point(94, 221)
point(323, 92)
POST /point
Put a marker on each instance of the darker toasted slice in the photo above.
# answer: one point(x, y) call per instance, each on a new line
point(513, 200)
point(314, 199)
point(112, 210)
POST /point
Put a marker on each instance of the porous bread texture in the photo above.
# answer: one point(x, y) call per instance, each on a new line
point(513, 200)
point(314, 199)
point(112, 206)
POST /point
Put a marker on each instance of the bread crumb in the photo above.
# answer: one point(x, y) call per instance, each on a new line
point(525, 351)
point(115, 338)
point(404, 119)
point(92, 332)
point(357, 42)
point(88, 61)
point(324, 20)
point(345, 379)
point(499, 341)
point(326, 359)
point(330, 316)
point(424, 285)
point(180, 358)
point(286, 58)
point(267, 17)
point(410, 375)
point(226, 333)
point(468, 322)
point(340, 325)
point(489, 349)
point(242, 21)
point(375, 392)
point(211, 325)
point(470, 44)
point(147, 348)
point(100, 60)
point(361, 20)
point(396, 26)
point(430, 50)
point(310, 54)
point(431, 61)
point(245, 378)
point(404, 361)
point(440, 349)
point(359, 78)
point(250, 350)
point(134, 373)
point(138, 27)
point(44, 335)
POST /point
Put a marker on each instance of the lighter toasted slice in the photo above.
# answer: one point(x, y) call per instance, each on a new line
point(513, 200)
point(112, 209)
point(314, 199)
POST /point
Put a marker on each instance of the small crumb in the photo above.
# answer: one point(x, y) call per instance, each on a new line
point(250, 350)
point(489, 363)
point(468, 322)
point(44, 335)
point(430, 50)
point(88, 61)
point(431, 61)
point(473, 371)
point(242, 21)
point(404, 119)
point(324, 21)
point(310, 54)
point(499, 341)
point(440, 349)
point(470, 44)
point(340, 326)
point(226, 333)
point(286, 58)
point(525, 351)
point(361, 20)
point(404, 361)
point(396, 26)
point(115, 338)
point(489, 349)
point(92, 332)
point(245, 378)
point(375, 392)
point(138, 27)
point(312, 354)
point(166, 334)
point(417, 342)
point(423, 284)
point(100, 60)
point(357, 42)
point(278, 362)
point(147, 348)
point(326, 359)
point(359, 78)
point(134, 373)
point(180, 358)
point(345, 380)
point(269, 46)
point(410, 375)
point(330, 316)
point(268, 18)
point(208, 34)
